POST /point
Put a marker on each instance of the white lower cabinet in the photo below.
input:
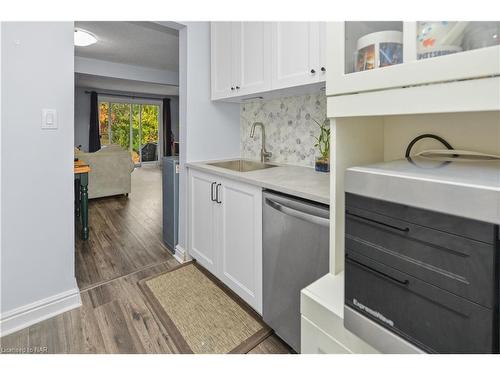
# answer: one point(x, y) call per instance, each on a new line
point(225, 232)
point(240, 245)
point(201, 233)
point(315, 341)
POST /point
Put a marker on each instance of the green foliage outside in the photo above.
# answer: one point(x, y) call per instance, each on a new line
point(120, 120)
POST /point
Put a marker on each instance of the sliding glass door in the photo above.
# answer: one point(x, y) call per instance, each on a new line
point(150, 132)
point(104, 123)
point(134, 125)
point(136, 134)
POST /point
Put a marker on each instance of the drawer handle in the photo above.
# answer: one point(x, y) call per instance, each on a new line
point(405, 229)
point(373, 270)
point(212, 191)
point(299, 214)
point(217, 191)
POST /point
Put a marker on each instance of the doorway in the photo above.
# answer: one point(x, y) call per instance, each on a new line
point(134, 124)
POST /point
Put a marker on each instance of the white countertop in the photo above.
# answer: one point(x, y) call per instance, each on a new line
point(468, 189)
point(329, 292)
point(298, 181)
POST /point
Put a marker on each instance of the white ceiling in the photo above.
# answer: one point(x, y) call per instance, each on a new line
point(124, 85)
point(143, 44)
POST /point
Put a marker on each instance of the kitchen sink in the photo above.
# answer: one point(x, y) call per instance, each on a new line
point(240, 165)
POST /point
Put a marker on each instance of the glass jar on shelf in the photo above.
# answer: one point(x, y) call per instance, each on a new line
point(372, 44)
point(440, 38)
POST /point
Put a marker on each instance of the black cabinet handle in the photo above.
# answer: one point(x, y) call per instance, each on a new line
point(313, 71)
point(232, 88)
point(323, 69)
point(212, 191)
point(405, 229)
point(217, 194)
point(237, 87)
point(373, 270)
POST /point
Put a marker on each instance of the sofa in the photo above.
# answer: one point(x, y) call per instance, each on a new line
point(110, 171)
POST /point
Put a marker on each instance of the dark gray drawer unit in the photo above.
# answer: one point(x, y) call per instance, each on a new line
point(429, 277)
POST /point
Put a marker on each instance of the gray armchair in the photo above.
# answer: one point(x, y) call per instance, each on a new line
point(111, 170)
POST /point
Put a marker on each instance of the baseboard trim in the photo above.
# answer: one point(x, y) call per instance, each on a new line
point(27, 315)
point(181, 254)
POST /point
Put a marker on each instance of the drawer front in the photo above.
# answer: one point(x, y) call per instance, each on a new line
point(315, 341)
point(476, 230)
point(427, 316)
point(460, 265)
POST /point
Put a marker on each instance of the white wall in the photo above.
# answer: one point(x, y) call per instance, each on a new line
point(37, 222)
point(213, 128)
point(137, 73)
point(476, 131)
point(82, 114)
point(208, 130)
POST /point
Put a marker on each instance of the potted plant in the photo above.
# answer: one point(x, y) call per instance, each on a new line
point(323, 144)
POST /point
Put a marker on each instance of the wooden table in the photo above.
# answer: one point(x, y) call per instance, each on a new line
point(81, 171)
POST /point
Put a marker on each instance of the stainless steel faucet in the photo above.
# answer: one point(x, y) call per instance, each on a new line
point(264, 154)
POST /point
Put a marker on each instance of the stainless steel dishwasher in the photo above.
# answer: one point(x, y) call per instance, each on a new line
point(295, 253)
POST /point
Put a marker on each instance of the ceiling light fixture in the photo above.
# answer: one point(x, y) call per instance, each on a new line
point(83, 38)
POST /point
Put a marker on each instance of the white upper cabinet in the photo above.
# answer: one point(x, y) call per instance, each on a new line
point(252, 49)
point(296, 53)
point(222, 75)
point(256, 57)
point(240, 58)
point(368, 56)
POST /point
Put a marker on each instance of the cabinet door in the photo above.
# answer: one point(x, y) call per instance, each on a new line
point(221, 36)
point(252, 47)
point(201, 218)
point(426, 52)
point(295, 53)
point(240, 244)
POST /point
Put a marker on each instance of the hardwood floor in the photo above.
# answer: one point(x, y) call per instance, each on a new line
point(124, 247)
point(126, 233)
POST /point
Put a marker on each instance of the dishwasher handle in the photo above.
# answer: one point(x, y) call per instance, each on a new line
point(311, 218)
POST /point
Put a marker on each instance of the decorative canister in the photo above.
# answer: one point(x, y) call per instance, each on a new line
point(379, 49)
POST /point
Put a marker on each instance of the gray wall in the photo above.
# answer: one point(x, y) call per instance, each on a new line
point(82, 115)
point(37, 222)
point(137, 73)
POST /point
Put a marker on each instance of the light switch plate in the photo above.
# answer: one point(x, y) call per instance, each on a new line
point(49, 119)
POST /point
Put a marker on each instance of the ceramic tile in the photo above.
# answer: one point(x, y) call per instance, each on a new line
point(290, 128)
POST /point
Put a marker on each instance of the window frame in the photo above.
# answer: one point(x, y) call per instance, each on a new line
point(111, 99)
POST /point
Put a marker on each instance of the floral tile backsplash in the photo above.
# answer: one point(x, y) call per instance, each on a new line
point(290, 128)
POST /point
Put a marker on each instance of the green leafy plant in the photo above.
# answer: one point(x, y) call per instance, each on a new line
point(323, 140)
point(120, 125)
